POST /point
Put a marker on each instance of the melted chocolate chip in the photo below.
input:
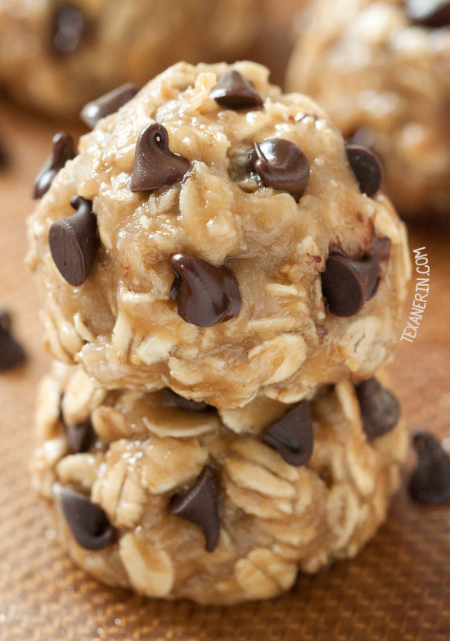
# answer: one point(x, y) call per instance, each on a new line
point(68, 30)
point(11, 352)
point(347, 284)
point(292, 435)
point(80, 437)
point(155, 166)
point(380, 411)
point(107, 104)
point(367, 169)
point(430, 481)
point(172, 399)
point(206, 294)
point(233, 91)
point(434, 15)
point(63, 150)
point(74, 242)
point(88, 523)
point(281, 165)
point(200, 506)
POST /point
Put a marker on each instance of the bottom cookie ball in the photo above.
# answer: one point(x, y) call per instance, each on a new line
point(178, 500)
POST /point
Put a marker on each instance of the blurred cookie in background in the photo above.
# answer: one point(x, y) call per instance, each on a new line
point(382, 71)
point(55, 56)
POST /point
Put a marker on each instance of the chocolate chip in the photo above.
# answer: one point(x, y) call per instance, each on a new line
point(11, 352)
point(68, 30)
point(347, 284)
point(292, 435)
point(74, 242)
point(63, 150)
point(172, 399)
point(430, 481)
point(281, 165)
point(155, 166)
point(88, 523)
point(5, 321)
point(380, 411)
point(80, 437)
point(367, 169)
point(107, 104)
point(200, 506)
point(233, 91)
point(434, 15)
point(4, 158)
point(206, 294)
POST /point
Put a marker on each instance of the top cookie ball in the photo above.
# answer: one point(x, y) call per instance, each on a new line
point(56, 55)
point(222, 245)
point(382, 71)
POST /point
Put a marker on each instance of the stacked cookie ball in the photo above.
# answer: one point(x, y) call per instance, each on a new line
point(222, 280)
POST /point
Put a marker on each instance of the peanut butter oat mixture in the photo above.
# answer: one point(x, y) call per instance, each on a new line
point(179, 500)
point(382, 71)
point(217, 237)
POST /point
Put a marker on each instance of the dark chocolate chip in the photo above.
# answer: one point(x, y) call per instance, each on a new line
point(281, 165)
point(68, 30)
point(292, 435)
point(80, 437)
point(206, 294)
point(233, 91)
point(4, 158)
point(200, 506)
point(63, 150)
point(380, 411)
point(88, 523)
point(5, 321)
point(11, 352)
point(155, 166)
point(172, 399)
point(367, 169)
point(107, 104)
point(434, 15)
point(430, 481)
point(74, 242)
point(347, 284)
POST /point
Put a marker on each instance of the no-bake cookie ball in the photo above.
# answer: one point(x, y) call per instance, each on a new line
point(218, 237)
point(178, 500)
point(56, 55)
point(382, 71)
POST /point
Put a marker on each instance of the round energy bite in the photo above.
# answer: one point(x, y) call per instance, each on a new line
point(56, 55)
point(180, 500)
point(382, 69)
point(236, 249)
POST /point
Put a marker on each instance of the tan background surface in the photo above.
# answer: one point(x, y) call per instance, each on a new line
point(398, 589)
